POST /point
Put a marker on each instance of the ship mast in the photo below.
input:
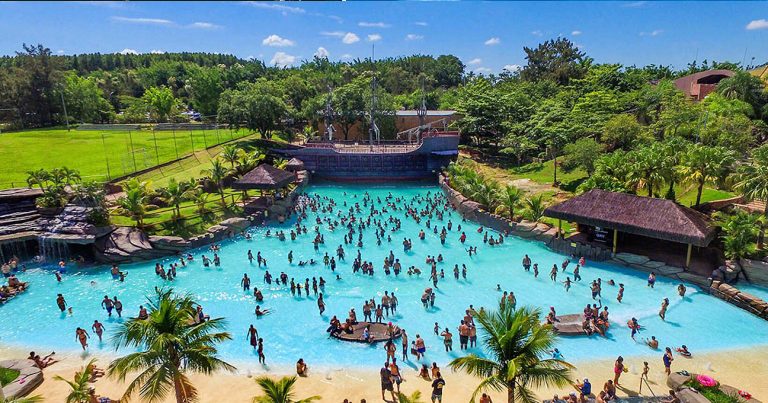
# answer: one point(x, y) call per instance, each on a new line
point(421, 112)
point(373, 131)
point(328, 115)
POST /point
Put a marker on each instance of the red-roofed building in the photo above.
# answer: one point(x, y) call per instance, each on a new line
point(697, 86)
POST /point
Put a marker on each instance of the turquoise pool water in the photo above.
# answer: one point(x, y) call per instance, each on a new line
point(755, 290)
point(295, 329)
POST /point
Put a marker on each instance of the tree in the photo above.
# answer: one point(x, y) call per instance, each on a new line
point(509, 198)
point(582, 154)
point(279, 392)
point(752, 182)
point(84, 100)
point(517, 145)
point(80, 384)
point(515, 341)
point(739, 233)
point(38, 177)
point(217, 173)
point(204, 86)
point(414, 397)
point(136, 200)
point(622, 131)
point(702, 165)
point(647, 167)
point(175, 194)
point(167, 348)
point(558, 60)
point(258, 106)
point(231, 154)
point(744, 87)
point(535, 206)
point(160, 102)
point(348, 103)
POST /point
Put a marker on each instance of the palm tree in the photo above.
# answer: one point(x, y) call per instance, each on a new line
point(167, 348)
point(136, 200)
point(231, 154)
point(485, 193)
point(516, 341)
point(510, 198)
point(702, 165)
point(39, 177)
point(415, 397)
point(752, 181)
point(535, 206)
point(648, 168)
point(175, 194)
point(80, 384)
point(279, 392)
point(739, 233)
point(217, 172)
point(742, 86)
point(280, 163)
point(201, 199)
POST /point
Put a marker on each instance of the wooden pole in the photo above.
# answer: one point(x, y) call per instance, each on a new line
point(559, 226)
point(688, 256)
point(615, 239)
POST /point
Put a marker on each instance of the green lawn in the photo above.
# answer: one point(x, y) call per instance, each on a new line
point(99, 155)
point(7, 376)
point(186, 168)
point(689, 197)
point(160, 221)
point(543, 172)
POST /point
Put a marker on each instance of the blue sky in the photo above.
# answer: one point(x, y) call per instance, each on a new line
point(487, 36)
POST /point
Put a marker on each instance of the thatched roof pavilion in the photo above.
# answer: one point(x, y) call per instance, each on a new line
point(294, 165)
point(645, 216)
point(265, 176)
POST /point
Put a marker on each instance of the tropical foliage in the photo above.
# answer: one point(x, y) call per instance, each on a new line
point(169, 346)
point(280, 391)
point(80, 384)
point(517, 344)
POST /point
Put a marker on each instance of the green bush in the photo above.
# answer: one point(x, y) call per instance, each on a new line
point(8, 375)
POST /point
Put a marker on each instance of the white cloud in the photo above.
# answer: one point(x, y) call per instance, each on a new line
point(537, 33)
point(635, 4)
point(475, 61)
point(127, 51)
point(414, 37)
point(145, 21)
point(59, 52)
point(204, 25)
point(493, 41)
point(322, 53)
point(285, 10)
point(350, 38)
point(655, 32)
point(512, 68)
point(282, 59)
point(374, 38)
point(373, 24)
point(758, 24)
point(482, 70)
point(420, 23)
point(337, 34)
point(576, 33)
point(346, 56)
point(157, 51)
point(277, 41)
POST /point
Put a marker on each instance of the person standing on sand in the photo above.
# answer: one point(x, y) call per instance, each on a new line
point(667, 359)
point(437, 388)
point(618, 369)
point(386, 382)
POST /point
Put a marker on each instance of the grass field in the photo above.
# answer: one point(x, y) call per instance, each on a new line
point(99, 155)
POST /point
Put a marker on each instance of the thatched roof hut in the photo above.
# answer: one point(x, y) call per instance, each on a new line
point(294, 165)
point(265, 176)
point(645, 216)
